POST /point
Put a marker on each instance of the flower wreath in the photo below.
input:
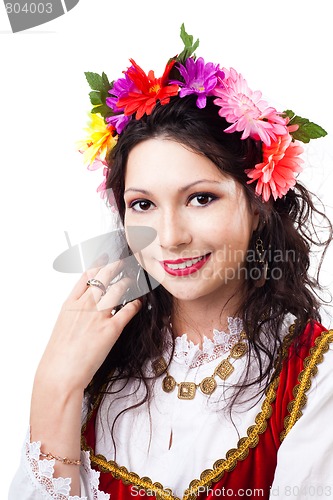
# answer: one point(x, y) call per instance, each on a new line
point(129, 98)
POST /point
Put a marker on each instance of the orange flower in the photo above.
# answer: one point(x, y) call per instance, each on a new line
point(149, 90)
point(277, 173)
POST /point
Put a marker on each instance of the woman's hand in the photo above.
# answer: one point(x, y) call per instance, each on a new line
point(83, 335)
point(85, 330)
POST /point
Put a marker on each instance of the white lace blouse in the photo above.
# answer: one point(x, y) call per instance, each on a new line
point(184, 437)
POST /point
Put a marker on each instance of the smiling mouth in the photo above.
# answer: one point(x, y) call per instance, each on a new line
point(183, 267)
point(183, 264)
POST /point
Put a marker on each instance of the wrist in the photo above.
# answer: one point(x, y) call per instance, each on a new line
point(57, 382)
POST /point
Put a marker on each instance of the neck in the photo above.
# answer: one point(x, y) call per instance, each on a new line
point(198, 318)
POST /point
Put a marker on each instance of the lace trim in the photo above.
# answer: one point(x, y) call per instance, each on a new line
point(222, 343)
point(42, 471)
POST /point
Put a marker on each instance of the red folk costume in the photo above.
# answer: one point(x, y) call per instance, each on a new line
point(252, 464)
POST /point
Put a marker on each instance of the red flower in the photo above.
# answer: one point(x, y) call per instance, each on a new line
point(277, 173)
point(149, 90)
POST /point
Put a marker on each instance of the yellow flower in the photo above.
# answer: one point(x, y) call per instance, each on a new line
point(98, 143)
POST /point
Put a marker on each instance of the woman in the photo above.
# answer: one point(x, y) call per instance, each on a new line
point(211, 383)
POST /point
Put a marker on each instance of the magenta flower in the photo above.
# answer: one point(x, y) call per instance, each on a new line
point(247, 112)
point(119, 122)
point(121, 88)
point(200, 79)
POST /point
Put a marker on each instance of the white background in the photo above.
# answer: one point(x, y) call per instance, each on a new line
point(283, 48)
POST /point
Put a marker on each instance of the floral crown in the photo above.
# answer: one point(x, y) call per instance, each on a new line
point(136, 94)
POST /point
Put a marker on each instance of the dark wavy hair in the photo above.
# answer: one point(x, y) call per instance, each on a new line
point(287, 226)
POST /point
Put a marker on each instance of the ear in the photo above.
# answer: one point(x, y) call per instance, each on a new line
point(255, 219)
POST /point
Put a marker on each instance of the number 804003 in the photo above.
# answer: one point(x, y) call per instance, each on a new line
point(29, 8)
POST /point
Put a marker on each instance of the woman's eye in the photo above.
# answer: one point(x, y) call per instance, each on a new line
point(141, 205)
point(202, 199)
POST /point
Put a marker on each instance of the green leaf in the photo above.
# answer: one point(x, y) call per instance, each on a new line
point(306, 130)
point(309, 131)
point(187, 39)
point(100, 86)
point(95, 81)
point(289, 113)
point(189, 46)
point(95, 98)
point(106, 82)
point(103, 109)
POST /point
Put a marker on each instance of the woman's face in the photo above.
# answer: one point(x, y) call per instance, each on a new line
point(202, 218)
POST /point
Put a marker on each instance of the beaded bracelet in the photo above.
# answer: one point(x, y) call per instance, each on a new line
point(64, 460)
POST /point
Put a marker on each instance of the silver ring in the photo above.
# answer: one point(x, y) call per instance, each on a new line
point(99, 284)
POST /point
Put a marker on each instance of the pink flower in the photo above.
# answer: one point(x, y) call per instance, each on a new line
point(277, 173)
point(107, 194)
point(102, 187)
point(247, 112)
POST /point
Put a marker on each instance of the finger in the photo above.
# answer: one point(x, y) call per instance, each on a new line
point(103, 279)
point(110, 273)
point(125, 314)
point(114, 295)
point(102, 260)
point(103, 274)
point(81, 286)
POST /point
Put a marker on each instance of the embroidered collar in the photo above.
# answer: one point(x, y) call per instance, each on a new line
point(192, 355)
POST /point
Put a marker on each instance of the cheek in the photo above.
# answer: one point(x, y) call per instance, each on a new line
point(231, 242)
point(127, 218)
point(139, 237)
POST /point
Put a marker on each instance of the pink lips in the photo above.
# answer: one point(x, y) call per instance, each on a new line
point(187, 270)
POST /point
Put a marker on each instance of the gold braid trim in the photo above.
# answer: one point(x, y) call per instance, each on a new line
point(121, 472)
point(316, 356)
point(236, 454)
point(233, 456)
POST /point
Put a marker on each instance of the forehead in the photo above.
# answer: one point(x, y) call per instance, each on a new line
point(168, 160)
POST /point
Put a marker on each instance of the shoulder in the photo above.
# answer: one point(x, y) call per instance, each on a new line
point(313, 338)
point(314, 341)
point(307, 371)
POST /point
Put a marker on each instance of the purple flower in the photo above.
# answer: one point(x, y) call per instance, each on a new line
point(121, 87)
point(200, 79)
point(119, 121)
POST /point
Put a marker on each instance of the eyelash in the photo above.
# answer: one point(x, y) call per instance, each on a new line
point(212, 197)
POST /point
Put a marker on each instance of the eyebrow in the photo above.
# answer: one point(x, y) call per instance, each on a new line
point(181, 190)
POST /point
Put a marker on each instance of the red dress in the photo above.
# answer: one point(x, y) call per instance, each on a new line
point(247, 470)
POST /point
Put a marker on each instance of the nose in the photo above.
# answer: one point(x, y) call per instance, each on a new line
point(173, 230)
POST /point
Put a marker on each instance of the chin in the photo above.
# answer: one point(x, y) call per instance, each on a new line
point(185, 292)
